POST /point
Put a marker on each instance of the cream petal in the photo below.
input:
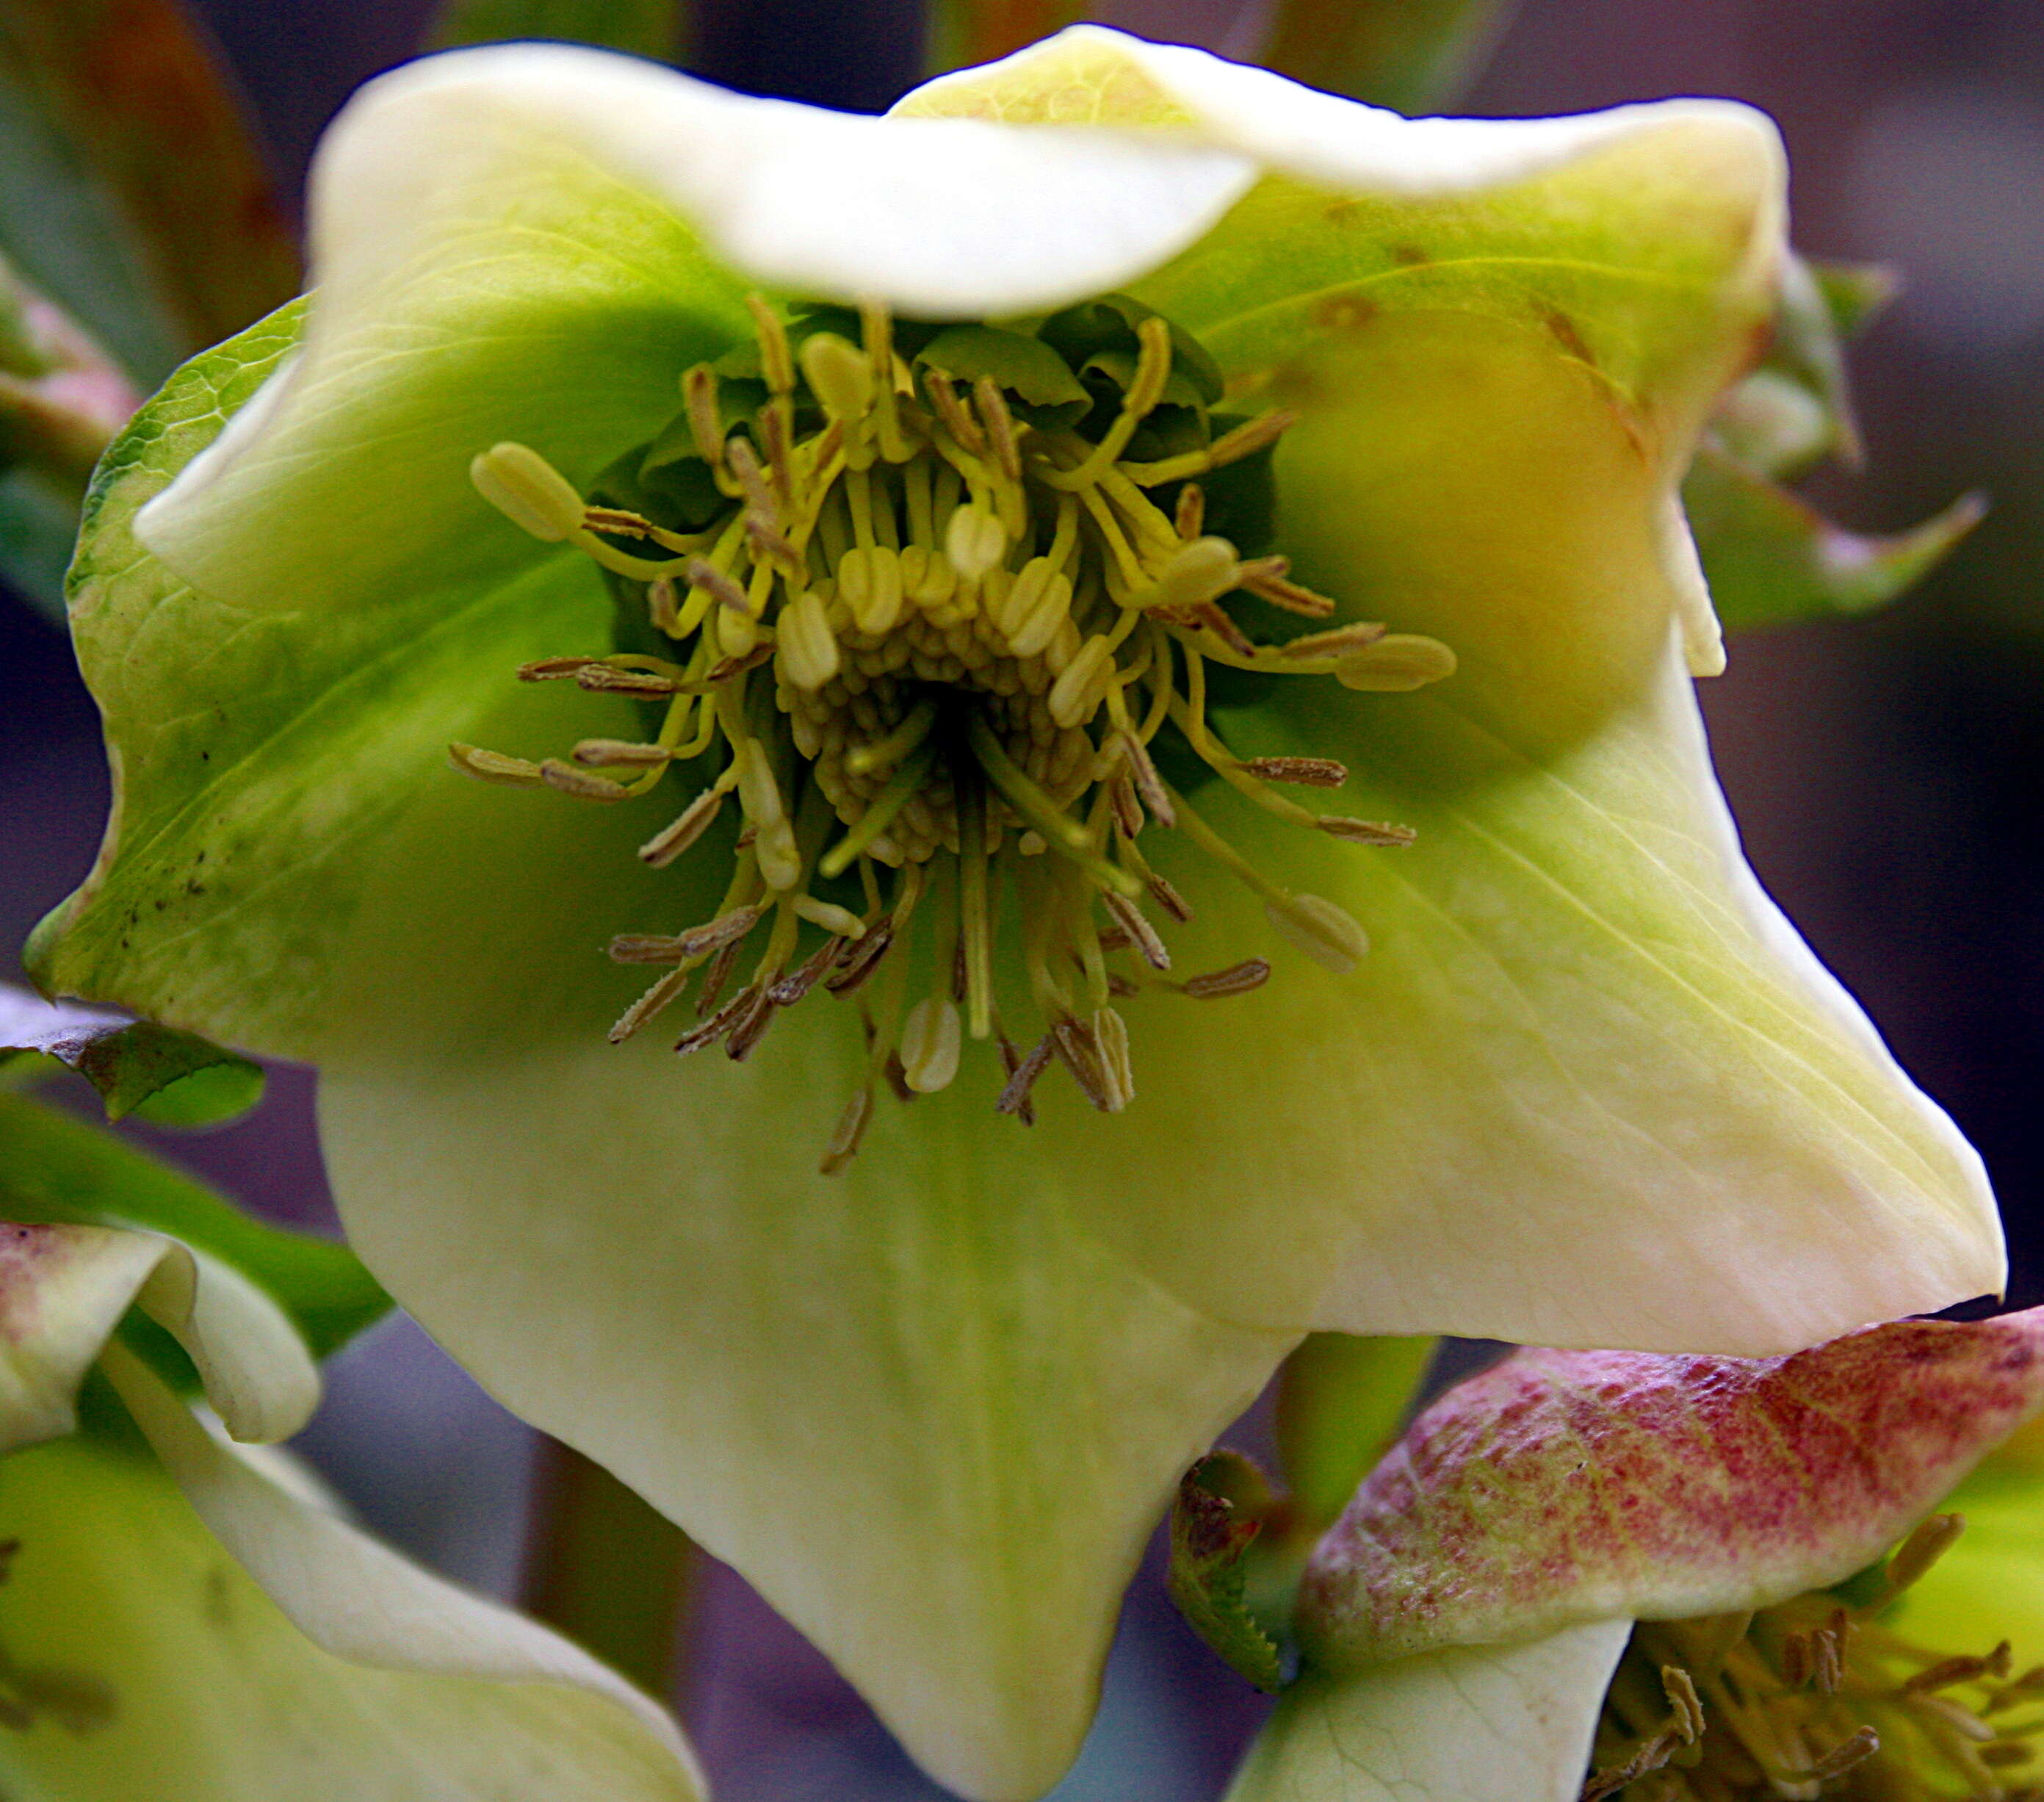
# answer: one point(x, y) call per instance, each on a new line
point(1473, 1723)
point(63, 1289)
point(156, 1668)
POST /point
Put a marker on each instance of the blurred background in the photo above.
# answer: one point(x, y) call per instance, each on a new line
point(1886, 771)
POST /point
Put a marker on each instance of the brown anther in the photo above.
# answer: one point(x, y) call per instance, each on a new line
point(569, 780)
point(774, 429)
point(1222, 627)
point(1303, 772)
point(1650, 1757)
point(1931, 1541)
point(1946, 1673)
point(1122, 987)
point(850, 1127)
point(1827, 1652)
point(1022, 1074)
point(758, 496)
point(733, 666)
point(768, 543)
point(617, 521)
point(1142, 934)
point(2005, 1752)
point(776, 362)
point(675, 838)
point(1343, 641)
point(554, 669)
point(1797, 1661)
point(700, 572)
point(607, 679)
point(1073, 1041)
point(896, 1073)
point(1115, 939)
point(1257, 578)
point(645, 947)
point(957, 973)
point(1191, 516)
point(1380, 832)
point(999, 426)
point(493, 766)
point(790, 989)
point(1961, 1720)
point(1168, 898)
point(699, 394)
point(714, 1027)
point(1237, 979)
point(1127, 809)
point(1250, 436)
point(1841, 1757)
point(1149, 786)
point(959, 423)
point(750, 1026)
point(858, 963)
point(649, 1003)
point(716, 975)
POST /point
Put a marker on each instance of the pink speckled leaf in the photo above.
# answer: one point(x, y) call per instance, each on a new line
point(1568, 1486)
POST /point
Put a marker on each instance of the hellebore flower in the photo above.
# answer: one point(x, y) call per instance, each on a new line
point(1707, 1577)
point(1135, 448)
point(180, 1615)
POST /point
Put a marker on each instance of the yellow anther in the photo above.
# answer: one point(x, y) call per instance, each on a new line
point(1110, 1039)
point(705, 423)
point(974, 540)
point(1153, 367)
point(775, 361)
point(1077, 692)
point(869, 582)
point(932, 1038)
point(1050, 609)
point(928, 577)
point(808, 648)
point(1327, 934)
point(1201, 572)
point(493, 766)
point(1396, 663)
point(525, 488)
point(839, 374)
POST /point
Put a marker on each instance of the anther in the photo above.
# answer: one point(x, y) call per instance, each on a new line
point(1932, 1539)
point(525, 488)
point(672, 840)
point(1266, 578)
point(1076, 695)
point(569, 780)
point(813, 969)
point(1342, 642)
point(809, 649)
point(1142, 934)
point(1306, 772)
point(931, 1038)
point(1237, 979)
point(839, 374)
point(999, 425)
point(1396, 664)
point(1168, 898)
point(494, 765)
point(1841, 1757)
point(850, 1129)
point(974, 540)
point(1380, 832)
point(1022, 1072)
point(706, 427)
point(1325, 933)
point(1110, 1039)
point(622, 754)
point(1198, 573)
point(775, 361)
point(699, 572)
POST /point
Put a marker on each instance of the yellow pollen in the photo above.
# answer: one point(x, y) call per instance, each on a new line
point(929, 623)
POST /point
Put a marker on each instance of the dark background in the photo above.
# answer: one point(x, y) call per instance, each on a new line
point(1886, 772)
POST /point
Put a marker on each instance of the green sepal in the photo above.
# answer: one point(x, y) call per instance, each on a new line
point(1222, 1504)
point(658, 28)
point(1040, 385)
point(1341, 1400)
point(57, 1171)
point(1856, 294)
point(1772, 559)
point(155, 1073)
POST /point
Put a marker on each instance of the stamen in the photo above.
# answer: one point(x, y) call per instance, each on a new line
point(973, 630)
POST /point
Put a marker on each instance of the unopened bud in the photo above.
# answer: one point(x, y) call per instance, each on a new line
point(974, 540)
point(1077, 692)
point(809, 649)
point(839, 374)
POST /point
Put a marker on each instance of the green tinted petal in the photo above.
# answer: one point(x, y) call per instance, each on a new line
point(169, 1673)
point(1480, 1723)
point(931, 1419)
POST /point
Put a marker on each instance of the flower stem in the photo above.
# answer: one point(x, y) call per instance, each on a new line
point(607, 1568)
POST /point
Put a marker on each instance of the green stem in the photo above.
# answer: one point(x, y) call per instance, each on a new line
point(607, 1568)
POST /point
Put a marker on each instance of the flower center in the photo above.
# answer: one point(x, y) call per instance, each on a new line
point(933, 604)
point(1816, 1697)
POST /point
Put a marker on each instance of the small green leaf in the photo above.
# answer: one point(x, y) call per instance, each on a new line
point(1341, 1400)
point(642, 28)
point(1094, 330)
point(1219, 1511)
point(56, 1170)
point(1407, 55)
point(1041, 384)
point(1772, 559)
point(1856, 293)
point(155, 1073)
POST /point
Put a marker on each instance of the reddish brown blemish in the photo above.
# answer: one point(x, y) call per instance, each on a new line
point(1409, 256)
point(1344, 312)
point(1569, 338)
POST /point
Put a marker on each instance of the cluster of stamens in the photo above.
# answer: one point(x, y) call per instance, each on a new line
point(927, 639)
point(1818, 1697)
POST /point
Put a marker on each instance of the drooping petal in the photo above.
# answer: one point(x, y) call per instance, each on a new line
point(63, 1289)
point(1471, 1723)
point(155, 1666)
point(1566, 1487)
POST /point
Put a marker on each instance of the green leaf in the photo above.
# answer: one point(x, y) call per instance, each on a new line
point(143, 167)
point(1217, 1516)
point(1341, 1400)
point(1856, 294)
point(643, 28)
point(1407, 55)
point(56, 1170)
point(1042, 384)
point(155, 1073)
point(1772, 559)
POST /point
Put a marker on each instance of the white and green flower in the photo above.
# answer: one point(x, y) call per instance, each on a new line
point(1594, 1574)
point(182, 1615)
point(1435, 383)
